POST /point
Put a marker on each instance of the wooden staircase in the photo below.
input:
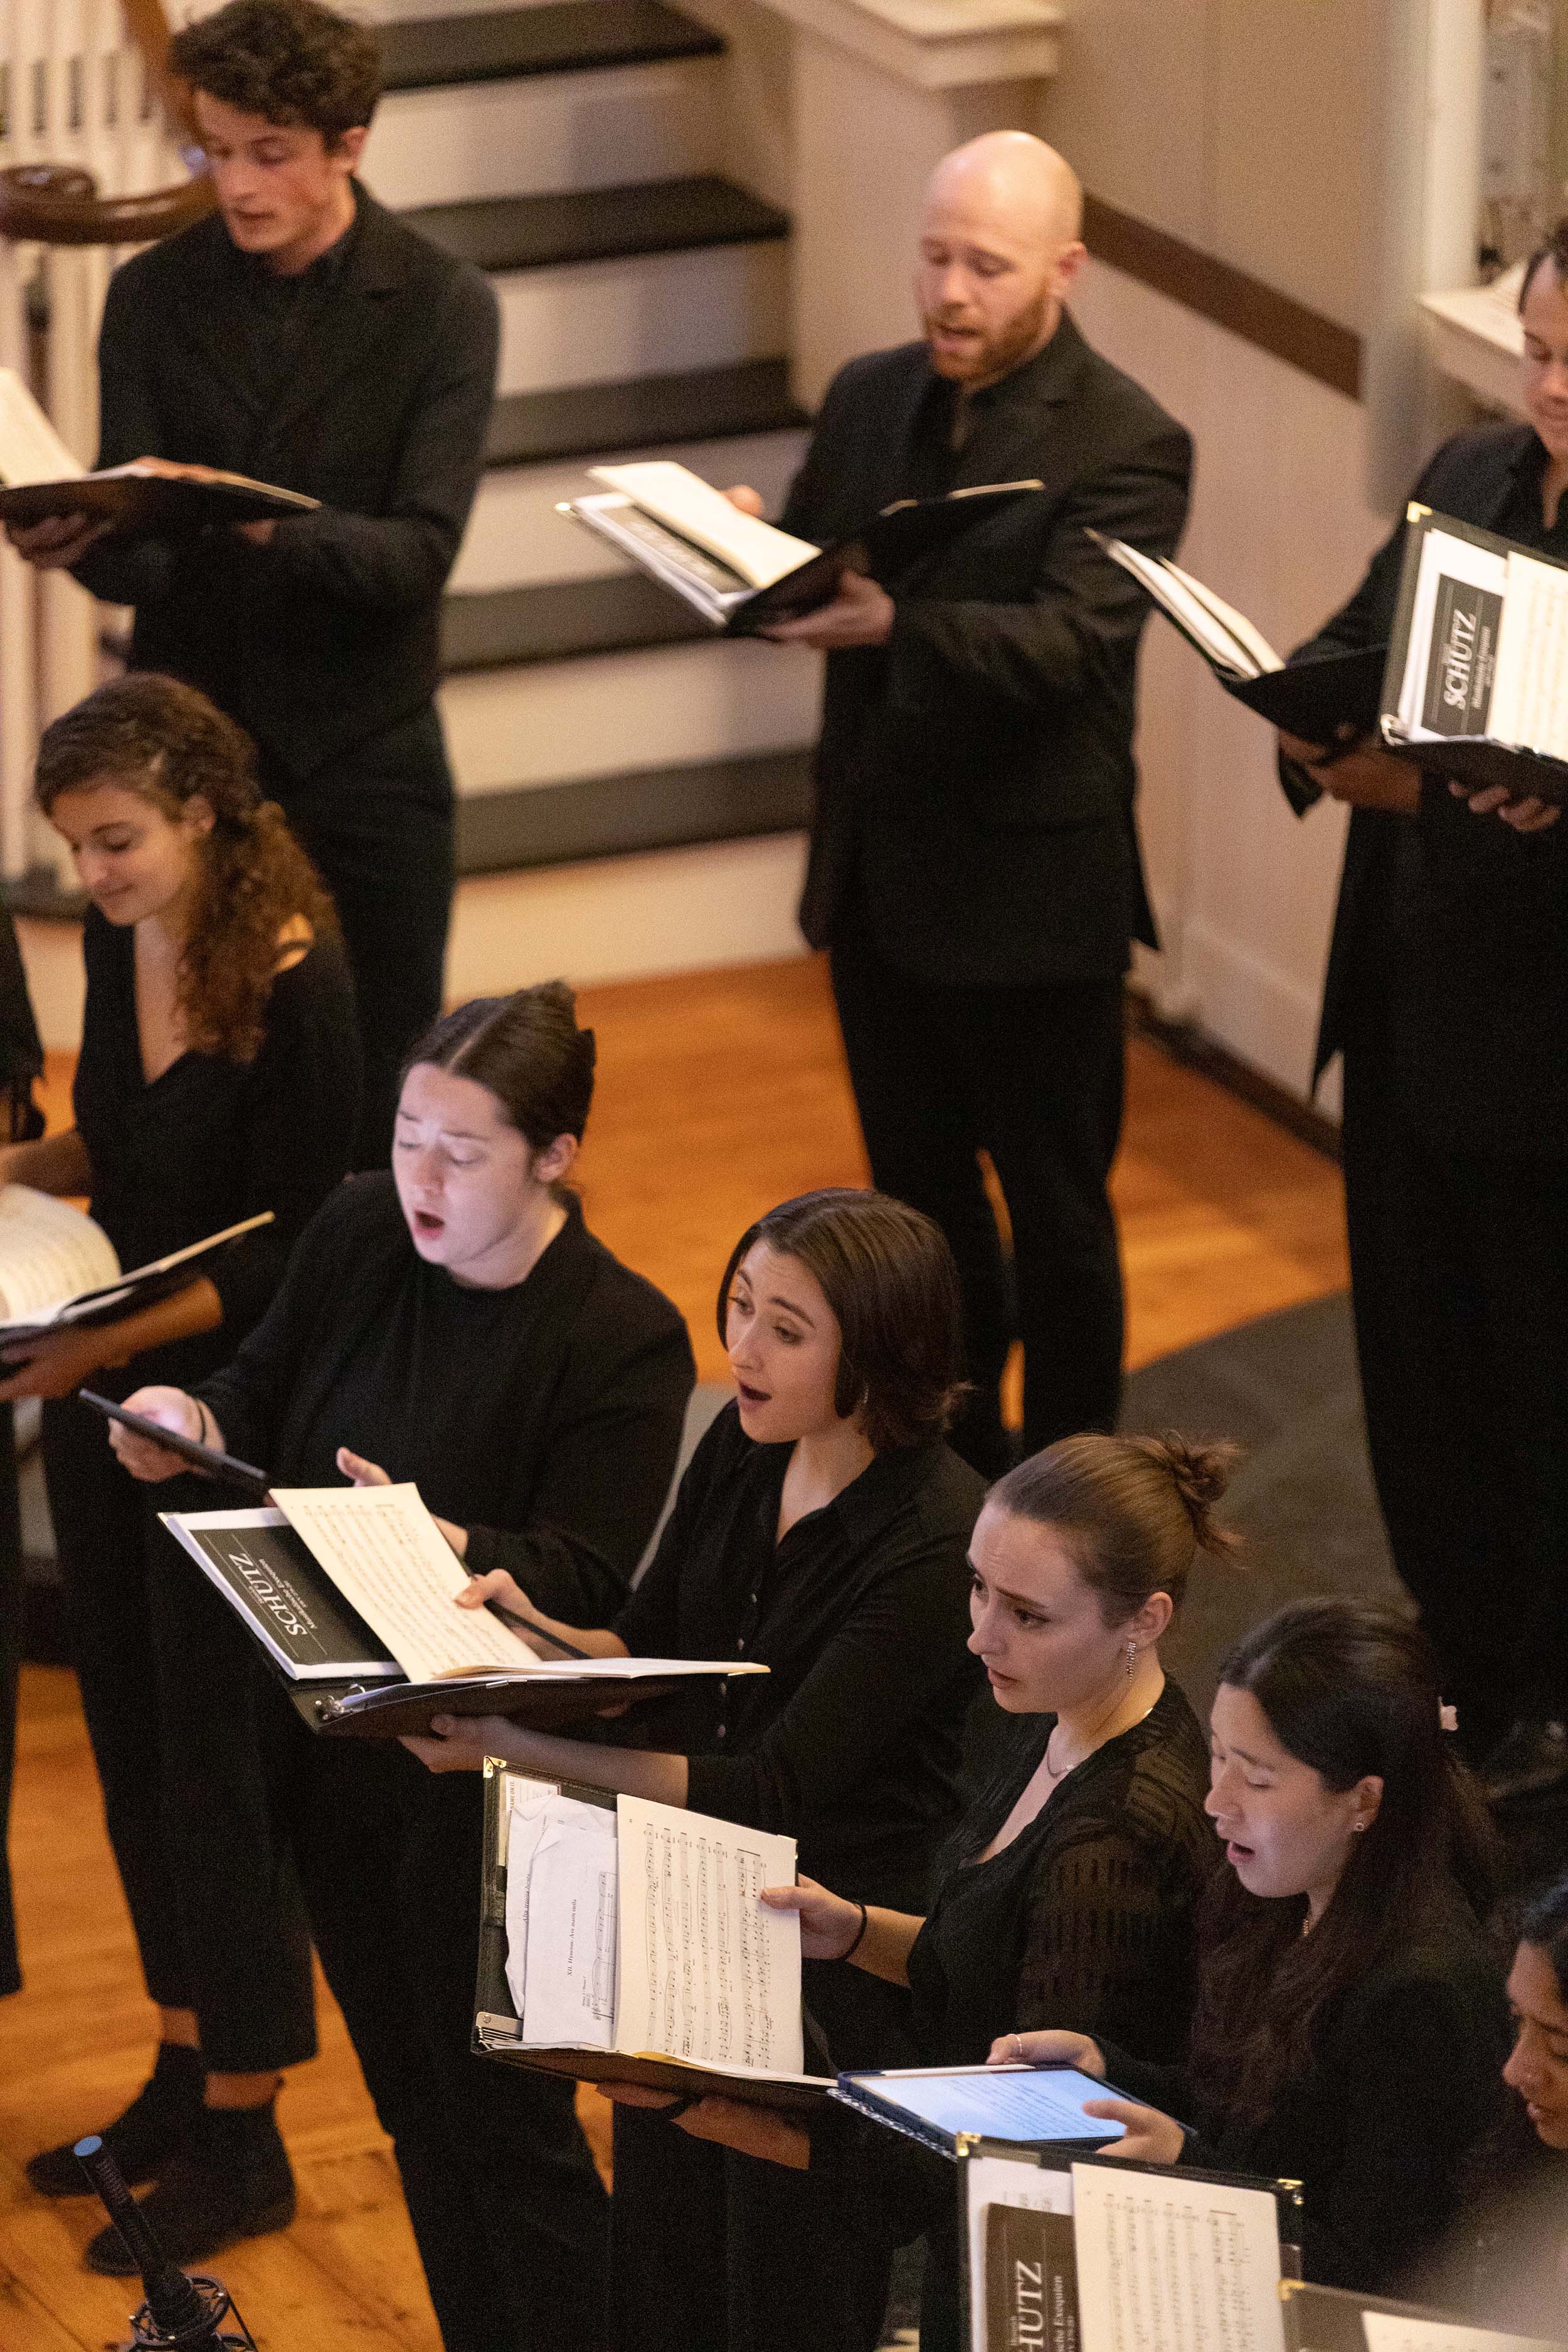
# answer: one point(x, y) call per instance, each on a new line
point(631, 791)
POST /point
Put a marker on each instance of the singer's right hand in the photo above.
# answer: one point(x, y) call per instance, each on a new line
point(748, 500)
point(173, 1409)
point(828, 1923)
point(496, 1585)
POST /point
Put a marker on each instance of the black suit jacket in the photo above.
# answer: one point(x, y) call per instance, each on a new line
point(974, 779)
point(327, 637)
point(1450, 944)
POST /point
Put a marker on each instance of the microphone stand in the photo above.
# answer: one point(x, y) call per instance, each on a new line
point(180, 2314)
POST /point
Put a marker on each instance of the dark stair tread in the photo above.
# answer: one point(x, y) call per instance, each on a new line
point(558, 618)
point(584, 419)
point(614, 816)
point(599, 224)
point(567, 36)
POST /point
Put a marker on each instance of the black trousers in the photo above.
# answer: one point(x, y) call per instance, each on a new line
point(712, 2252)
point(1460, 1275)
point(379, 828)
point(508, 2210)
point(12, 1612)
point(1034, 1077)
point(171, 1697)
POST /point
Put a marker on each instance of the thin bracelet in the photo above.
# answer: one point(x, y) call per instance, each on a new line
point(859, 1935)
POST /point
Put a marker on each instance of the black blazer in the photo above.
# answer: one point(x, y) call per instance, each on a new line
point(327, 637)
point(975, 777)
point(1466, 919)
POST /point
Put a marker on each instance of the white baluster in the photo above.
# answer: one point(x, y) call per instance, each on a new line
point(18, 650)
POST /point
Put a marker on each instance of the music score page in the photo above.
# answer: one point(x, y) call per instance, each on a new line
point(708, 1973)
point(1189, 2265)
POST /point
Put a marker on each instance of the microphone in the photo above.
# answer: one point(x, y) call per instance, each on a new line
point(180, 2314)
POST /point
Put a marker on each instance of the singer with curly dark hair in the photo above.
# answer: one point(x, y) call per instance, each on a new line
point(218, 1077)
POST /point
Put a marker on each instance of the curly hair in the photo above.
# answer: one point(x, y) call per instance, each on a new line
point(289, 61)
point(165, 742)
point(888, 1276)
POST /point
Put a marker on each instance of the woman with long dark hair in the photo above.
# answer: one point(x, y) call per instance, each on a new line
point(1351, 2020)
point(218, 1077)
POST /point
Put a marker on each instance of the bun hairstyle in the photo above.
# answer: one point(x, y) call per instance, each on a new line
point(1351, 1691)
point(1134, 1512)
point(161, 740)
point(1553, 248)
point(888, 1276)
point(1546, 1925)
point(529, 1053)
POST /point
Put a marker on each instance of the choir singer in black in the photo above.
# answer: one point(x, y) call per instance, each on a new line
point(305, 337)
point(974, 868)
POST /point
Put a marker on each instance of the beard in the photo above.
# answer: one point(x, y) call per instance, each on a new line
point(995, 352)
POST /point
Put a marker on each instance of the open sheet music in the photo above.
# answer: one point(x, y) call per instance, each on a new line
point(58, 1269)
point(1110, 2257)
point(1326, 700)
point(1478, 676)
point(352, 1593)
point(742, 574)
point(1335, 2319)
point(634, 1932)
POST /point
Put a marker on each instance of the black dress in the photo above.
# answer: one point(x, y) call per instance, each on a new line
point(545, 1418)
point(1403, 2084)
point(21, 1061)
point(851, 1745)
point(1086, 1920)
point(208, 1143)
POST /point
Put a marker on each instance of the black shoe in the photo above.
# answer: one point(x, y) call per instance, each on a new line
point(160, 2119)
point(231, 2180)
point(1533, 1759)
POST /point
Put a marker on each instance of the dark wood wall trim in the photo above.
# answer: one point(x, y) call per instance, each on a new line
point(1185, 1043)
point(1245, 306)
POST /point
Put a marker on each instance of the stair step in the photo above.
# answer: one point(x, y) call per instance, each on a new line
point(563, 37)
point(556, 619)
point(588, 419)
point(652, 808)
point(545, 232)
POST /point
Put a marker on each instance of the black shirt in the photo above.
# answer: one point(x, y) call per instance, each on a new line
point(1086, 1920)
point(274, 314)
point(545, 1417)
point(1404, 2083)
point(213, 1141)
point(851, 1742)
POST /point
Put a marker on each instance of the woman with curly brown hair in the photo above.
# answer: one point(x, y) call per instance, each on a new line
point(218, 1077)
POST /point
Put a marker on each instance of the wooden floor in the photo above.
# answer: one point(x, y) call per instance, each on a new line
point(719, 1095)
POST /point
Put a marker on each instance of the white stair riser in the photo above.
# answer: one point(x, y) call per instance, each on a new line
point(608, 714)
point(730, 902)
point(545, 132)
point(515, 537)
point(654, 314)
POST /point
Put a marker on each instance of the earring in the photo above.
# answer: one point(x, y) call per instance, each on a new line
point(1132, 1658)
point(1358, 1827)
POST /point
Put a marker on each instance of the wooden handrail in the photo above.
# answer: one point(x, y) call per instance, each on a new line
point(59, 203)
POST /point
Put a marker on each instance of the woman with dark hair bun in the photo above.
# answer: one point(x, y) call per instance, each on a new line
point(454, 1323)
point(1071, 1887)
point(1350, 2021)
point(821, 1530)
point(218, 1077)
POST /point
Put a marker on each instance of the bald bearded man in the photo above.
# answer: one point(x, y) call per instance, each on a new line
point(974, 868)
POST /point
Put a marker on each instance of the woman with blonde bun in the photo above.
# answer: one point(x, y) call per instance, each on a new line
point(1071, 1887)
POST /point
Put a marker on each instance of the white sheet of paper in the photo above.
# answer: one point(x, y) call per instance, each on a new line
point(50, 1253)
point(569, 1976)
point(685, 503)
point(1529, 692)
point(1385, 2333)
point(30, 448)
point(999, 2180)
point(390, 1560)
point(1186, 2264)
point(706, 1972)
point(524, 1826)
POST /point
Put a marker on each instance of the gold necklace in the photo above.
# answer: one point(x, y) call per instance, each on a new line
point(1093, 1737)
